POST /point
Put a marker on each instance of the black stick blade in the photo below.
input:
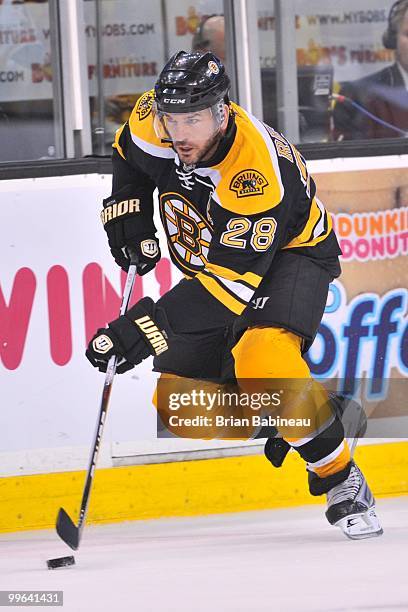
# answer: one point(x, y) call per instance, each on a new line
point(66, 530)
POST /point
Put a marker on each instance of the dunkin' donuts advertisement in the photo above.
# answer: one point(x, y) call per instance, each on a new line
point(363, 338)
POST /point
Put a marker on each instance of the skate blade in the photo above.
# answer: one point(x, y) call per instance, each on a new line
point(361, 526)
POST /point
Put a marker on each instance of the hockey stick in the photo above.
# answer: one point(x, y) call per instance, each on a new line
point(66, 528)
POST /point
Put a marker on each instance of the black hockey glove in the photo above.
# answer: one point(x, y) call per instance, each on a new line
point(142, 331)
point(128, 226)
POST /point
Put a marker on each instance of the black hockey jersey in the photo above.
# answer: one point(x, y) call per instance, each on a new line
point(225, 219)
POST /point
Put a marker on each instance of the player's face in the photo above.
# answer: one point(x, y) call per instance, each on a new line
point(195, 136)
point(402, 42)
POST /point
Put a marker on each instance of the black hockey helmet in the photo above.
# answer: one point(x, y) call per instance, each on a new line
point(191, 82)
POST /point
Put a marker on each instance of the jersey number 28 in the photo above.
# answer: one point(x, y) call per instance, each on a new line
point(262, 235)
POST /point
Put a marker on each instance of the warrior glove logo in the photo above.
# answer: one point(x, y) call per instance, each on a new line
point(152, 334)
point(248, 182)
point(114, 209)
point(102, 344)
point(149, 248)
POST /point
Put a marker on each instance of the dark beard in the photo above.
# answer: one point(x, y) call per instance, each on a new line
point(211, 143)
point(215, 140)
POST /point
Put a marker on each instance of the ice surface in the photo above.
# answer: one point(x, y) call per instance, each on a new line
point(273, 560)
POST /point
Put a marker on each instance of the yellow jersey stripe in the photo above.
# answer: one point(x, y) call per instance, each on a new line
point(300, 164)
point(221, 294)
point(306, 238)
point(116, 144)
point(236, 288)
point(250, 278)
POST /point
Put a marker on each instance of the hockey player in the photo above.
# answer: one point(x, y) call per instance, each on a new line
point(256, 246)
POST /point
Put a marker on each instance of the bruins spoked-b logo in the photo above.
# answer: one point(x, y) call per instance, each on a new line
point(144, 104)
point(248, 182)
point(102, 344)
point(188, 232)
point(213, 67)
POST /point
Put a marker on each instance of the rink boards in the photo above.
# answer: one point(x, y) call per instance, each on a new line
point(186, 488)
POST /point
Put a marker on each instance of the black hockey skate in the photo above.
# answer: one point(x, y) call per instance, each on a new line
point(351, 506)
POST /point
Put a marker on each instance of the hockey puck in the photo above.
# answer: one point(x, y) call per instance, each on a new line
point(60, 562)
